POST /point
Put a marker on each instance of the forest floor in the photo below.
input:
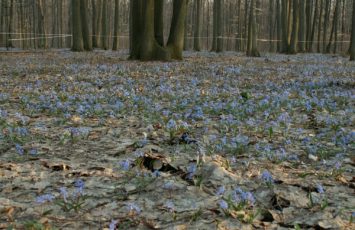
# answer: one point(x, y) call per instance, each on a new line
point(93, 141)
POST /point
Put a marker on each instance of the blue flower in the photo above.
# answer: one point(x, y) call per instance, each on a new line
point(19, 149)
point(156, 173)
point(223, 204)
point(267, 177)
point(320, 188)
point(113, 224)
point(169, 205)
point(79, 185)
point(133, 207)
point(33, 152)
point(171, 124)
point(64, 193)
point(125, 164)
point(44, 198)
point(191, 170)
point(220, 190)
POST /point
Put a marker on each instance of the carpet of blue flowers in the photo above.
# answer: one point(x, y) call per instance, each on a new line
point(92, 141)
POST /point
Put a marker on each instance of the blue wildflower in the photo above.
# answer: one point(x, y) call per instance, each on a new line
point(44, 198)
point(125, 164)
point(223, 204)
point(133, 208)
point(33, 152)
point(64, 193)
point(220, 191)
point(113, 224)
point(169, 205)
point(171, 124)
point(191, 170)
point(320, 188)
point(79, 185)
point(267, 177)
point(156, 173)
point(19, 149)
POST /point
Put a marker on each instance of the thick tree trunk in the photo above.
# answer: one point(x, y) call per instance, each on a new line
point(295, 27)
point(252, 50)
point(352, 47)
point(326, 23)
point(315, 21)
point(94, 23)
point(302, 26)
point(284, 26)
point(159, 21)
point(334, 31)
point(78, 44)
point(220, 39)
point(116, 24)
point(197, 29)
point(278, 25)
point(308, 25)
point(320, 26)
point(175, 43)
point(271, 23)
point(41, 23)
point(104, 26)
point(215, 25)
point(85, 26)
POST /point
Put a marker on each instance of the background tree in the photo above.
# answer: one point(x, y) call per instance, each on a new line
point(80, 30)
point(352, 46)
point(252, 49)
point(144, 43)
point(116, 24)
point(198, 20)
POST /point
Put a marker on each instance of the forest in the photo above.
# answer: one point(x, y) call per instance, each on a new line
point(177, 114)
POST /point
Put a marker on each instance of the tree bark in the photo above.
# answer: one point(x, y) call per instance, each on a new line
point(85, 26)
point(159, 21)
point(252, 50)
point(352, 47)
point(302, 26)
point(78, 44)
point(295, 27)
point(116, 24)
point(197, 29)
point(104, 26)
point(175, 43)
point(284, 26)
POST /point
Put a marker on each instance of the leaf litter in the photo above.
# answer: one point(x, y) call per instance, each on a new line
point(211, 142)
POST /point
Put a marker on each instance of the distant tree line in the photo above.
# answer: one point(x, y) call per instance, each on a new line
point(161, 29)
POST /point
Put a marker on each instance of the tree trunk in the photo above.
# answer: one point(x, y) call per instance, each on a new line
point(320, 26)
point(85, 26)
point(334, 28)
point(326, 23)
point(284, 21)
point(220, 45)
point(197, 29)
point(295, 27)
point(278, 25)
point(215, 25)
point(78, 44)
point(116, 24)
point(175, 43)
point(302, 26)
point(308, 25)
point(315, 21)
point(252, 50)
point(271, 23)
point(352, 47)
point(159, 21)
point(104, 26)
point(41, 27)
